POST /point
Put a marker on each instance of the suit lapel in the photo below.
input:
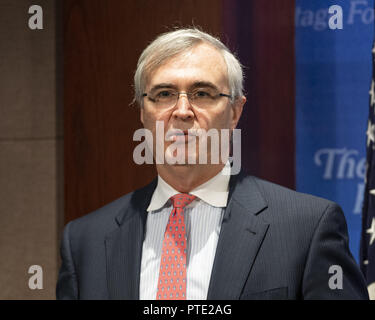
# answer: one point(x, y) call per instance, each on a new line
point(241, 236)
point(124, 247)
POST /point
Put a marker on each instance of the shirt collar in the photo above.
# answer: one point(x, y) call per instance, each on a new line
point(213, 191)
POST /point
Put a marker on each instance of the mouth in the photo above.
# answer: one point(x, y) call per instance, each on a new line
point(177, 135)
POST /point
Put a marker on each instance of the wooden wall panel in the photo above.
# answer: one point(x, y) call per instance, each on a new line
point(102, 42)
point(265, 44)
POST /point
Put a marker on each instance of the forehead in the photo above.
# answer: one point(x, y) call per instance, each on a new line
point(201, 63)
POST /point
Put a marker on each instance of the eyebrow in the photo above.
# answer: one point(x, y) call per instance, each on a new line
point(163, 86)
point(204, 84)
point(198, 84)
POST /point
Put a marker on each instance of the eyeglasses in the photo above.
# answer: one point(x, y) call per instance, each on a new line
point(167, 98)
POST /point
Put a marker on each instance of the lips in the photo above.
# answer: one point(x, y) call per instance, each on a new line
point(180, 135)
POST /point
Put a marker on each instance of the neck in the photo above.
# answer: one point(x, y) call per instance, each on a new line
point(185, 178)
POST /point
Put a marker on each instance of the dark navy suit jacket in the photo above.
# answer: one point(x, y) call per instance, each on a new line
point(274, 243)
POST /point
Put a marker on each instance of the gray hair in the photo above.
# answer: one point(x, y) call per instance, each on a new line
point(175, 42)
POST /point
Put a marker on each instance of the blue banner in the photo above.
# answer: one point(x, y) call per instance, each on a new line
point(333, 77)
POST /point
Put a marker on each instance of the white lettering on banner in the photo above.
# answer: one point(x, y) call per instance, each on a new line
point(343, 164)
point(359, 11)
point(359, 198)
point(348, 166)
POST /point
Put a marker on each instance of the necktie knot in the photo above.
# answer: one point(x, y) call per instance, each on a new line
point(181, 200)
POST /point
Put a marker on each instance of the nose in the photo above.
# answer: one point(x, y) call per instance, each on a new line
point(183, 108)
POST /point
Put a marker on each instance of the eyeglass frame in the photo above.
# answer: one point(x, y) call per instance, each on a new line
point(220, 94)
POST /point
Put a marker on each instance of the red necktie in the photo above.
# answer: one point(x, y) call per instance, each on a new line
point(172, 274)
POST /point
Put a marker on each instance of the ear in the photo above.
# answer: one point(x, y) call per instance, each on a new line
point(237, 108)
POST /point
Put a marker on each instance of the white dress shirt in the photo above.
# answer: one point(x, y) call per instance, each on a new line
point(203, 219)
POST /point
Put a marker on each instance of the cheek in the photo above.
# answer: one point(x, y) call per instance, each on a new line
point(147, 120)
point(227, 116)
point(219, 119)
point(150, 119)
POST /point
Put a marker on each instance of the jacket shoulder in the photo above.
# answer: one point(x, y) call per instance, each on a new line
point(103, 219)
point(273, 191)
point(291, 203)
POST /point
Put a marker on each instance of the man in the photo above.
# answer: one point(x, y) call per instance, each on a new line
point(196, 232)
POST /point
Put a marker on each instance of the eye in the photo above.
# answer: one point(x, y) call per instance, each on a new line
point(202, 94)
point(164, 94)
